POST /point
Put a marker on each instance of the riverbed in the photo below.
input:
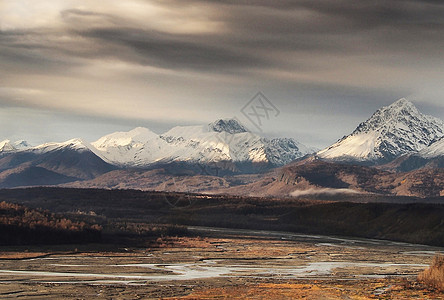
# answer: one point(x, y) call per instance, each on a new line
point(223, 262)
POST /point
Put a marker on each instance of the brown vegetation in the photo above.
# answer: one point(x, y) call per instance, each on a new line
point(434, 275)
point(21, 225)
point(140, 234)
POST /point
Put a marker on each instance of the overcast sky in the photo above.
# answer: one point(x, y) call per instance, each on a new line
point(73, 68)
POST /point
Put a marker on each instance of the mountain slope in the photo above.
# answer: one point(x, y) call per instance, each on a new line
point(429, 157)
point(32, 176)
point(51, 163)
point(390, 132)
point(306, 178)
point(436, 149)
point(313, 177)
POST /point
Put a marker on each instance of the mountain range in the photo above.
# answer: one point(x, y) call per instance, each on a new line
point(224, 156)
point(221, 147)
point(220, 141)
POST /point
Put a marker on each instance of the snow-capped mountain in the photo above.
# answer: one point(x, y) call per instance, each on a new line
point(135, 148)
point(229, 125)
point(390, 132)
point(73, 144)
point(134, 138)
point(185, 148)
point(51, 163)
point(21, 145)
point(222, 140)
point(281, 151)
point(6, 146)
point(220, 148)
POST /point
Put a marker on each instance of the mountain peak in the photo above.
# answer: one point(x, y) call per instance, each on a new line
point(4, 142)
point(74, 141)
point(138, 135)
point(227, 125)
point(400, 113)
point(140, 130)
point(391, 131)
point(74, 144)
point(22, 144)
point(402, 104)
point(6, 146)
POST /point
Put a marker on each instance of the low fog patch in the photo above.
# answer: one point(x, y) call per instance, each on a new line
point(322, 191)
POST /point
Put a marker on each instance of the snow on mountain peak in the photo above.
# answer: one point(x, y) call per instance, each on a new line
point(6, 146)
point(139, 135)
point(76, 144)
point(391, 131)
point(402, 102)
point(400, 112)
point(22, 145)
point(227, 125)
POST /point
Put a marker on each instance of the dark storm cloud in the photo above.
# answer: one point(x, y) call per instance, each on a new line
point(173, 51)
point(350, 27)
point(37, 50)
point(255, 34)
point(260, 35)
point(362, 14)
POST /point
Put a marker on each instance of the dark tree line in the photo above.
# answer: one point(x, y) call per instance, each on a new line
point(20, 226)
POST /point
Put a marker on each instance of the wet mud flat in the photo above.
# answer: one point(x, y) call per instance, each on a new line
point(222, 263)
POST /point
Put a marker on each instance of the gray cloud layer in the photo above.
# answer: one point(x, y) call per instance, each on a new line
point(193, 61)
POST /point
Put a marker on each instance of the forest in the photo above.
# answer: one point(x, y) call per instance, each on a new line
point(124, 216)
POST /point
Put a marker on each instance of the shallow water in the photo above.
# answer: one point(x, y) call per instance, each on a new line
point(208, 269)
point(283, 256)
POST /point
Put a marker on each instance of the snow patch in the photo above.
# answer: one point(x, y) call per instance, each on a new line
point(436, 149)
point(6, 146)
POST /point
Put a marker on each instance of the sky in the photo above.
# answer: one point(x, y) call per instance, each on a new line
point(86, 68)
